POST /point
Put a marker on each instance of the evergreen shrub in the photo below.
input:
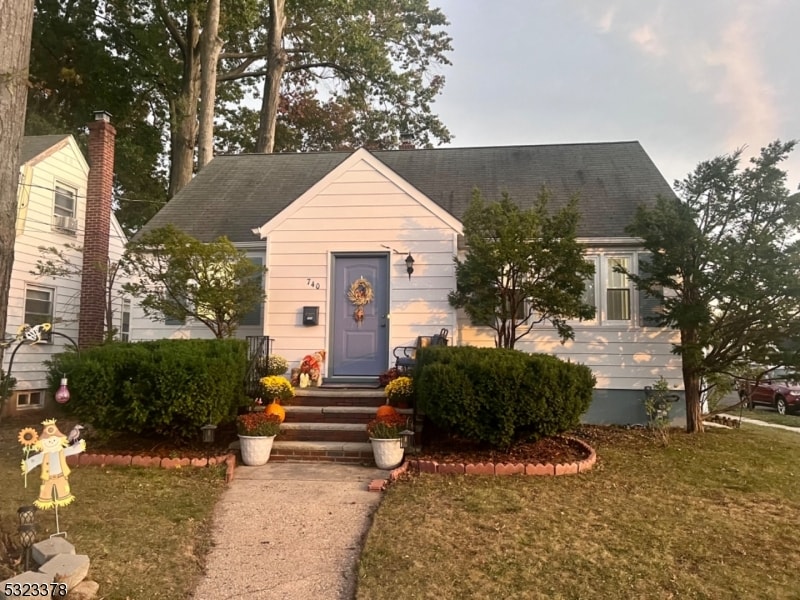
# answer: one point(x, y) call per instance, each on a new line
point(498, 396)
point(163, 387)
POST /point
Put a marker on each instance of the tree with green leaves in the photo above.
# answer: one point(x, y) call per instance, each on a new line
point(328, 73)
point(522, 268)
point(74, 72)
point(177, 276)
point(725, 263)
point(61, 262)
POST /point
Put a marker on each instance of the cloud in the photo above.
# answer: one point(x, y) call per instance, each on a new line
point(743, 87)
point(646, 38)
point(606, 20)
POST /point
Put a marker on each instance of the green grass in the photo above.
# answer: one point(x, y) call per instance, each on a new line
point(146, 531)
point(709, 516)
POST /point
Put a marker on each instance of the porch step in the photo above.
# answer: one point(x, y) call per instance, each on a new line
point(334, 414)
point(324, 432)
point(340, 452)
point(338, 397)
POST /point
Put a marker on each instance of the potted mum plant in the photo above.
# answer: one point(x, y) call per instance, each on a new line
point(385, 434)
point(400, 392)
point(257, 431)
point(275, 389)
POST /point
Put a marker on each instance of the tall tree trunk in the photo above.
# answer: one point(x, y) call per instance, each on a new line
point(692, 381)
point(210, 47)
point(276, 65)
point(183, 112)
point(16, 23)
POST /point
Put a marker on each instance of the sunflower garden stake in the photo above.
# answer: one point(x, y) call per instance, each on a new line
point(53, 448)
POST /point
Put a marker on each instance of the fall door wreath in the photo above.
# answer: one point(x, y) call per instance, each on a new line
point(360, 294)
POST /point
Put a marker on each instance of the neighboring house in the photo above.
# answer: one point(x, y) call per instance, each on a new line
point(321, 221)
point(54, 190)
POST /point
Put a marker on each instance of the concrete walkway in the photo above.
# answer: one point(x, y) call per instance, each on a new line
point(764, 423)
point(290, 531)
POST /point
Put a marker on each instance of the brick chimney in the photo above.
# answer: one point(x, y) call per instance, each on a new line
point(406, 140)
point(91, 323)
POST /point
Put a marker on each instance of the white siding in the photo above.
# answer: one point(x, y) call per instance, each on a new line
point(34, 229)
point(621, 358)
point(360, 210)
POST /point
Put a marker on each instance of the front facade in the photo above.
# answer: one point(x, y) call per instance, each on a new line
point(51, 214)
point(335, 231)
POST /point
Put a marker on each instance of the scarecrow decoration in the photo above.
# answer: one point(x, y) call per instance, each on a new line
point(360, 294)
point(53, 447)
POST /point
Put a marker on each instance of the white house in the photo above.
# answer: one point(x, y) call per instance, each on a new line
point(54, 189)
point(324, 223)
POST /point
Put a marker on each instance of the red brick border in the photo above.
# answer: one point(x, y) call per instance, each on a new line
point(137, 460)
point(488, 468)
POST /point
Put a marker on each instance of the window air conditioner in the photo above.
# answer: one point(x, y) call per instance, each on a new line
point(67, 224)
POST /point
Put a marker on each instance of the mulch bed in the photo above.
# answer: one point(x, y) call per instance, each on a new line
point(555, 450)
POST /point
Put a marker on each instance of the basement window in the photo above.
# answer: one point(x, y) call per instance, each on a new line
point(31, 399)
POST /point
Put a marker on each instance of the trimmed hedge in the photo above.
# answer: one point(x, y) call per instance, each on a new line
point(499, 396)
point(165, 387)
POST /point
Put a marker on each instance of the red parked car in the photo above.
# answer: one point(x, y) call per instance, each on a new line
point(779, 388)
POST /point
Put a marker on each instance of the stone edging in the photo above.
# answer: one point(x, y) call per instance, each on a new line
point(136, 460)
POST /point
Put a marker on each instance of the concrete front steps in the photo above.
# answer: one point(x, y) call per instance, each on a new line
point(329, 424)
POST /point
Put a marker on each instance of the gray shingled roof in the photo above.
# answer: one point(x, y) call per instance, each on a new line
point(234, 194)
point(34, 145)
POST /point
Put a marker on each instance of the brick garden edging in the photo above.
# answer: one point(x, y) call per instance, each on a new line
point(136, 460)
point(488, 468)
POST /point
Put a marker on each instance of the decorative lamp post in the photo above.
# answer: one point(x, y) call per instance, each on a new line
point(409, 265)
point(62, 393)
point(26, 514)
point(406, 438)
point(27, 530)
point(209, 432)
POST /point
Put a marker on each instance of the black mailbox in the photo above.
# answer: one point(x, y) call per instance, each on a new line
point(311, 315)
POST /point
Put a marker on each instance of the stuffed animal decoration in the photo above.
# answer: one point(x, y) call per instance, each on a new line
point(311, 369)
point(53, 447)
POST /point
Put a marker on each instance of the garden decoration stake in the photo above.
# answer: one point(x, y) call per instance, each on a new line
point(53, 448)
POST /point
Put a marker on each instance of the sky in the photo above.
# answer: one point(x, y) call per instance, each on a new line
point(688, 79)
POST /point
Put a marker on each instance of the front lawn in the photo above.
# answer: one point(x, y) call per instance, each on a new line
point(145, 530)
point(710, 516)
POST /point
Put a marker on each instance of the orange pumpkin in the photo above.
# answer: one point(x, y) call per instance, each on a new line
point(384, 411)
point(276, 409)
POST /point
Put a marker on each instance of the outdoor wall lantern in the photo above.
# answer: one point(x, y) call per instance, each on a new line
point(409, 265)
point(62, 393)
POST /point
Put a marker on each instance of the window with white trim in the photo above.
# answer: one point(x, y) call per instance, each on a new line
point(38, 304)
point(64, 201)
point(125, 321)
point(611, 293)
point(618, 289)
point(31, 399)
point(256, 314)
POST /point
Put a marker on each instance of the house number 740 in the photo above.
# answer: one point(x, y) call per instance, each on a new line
point(313, 284)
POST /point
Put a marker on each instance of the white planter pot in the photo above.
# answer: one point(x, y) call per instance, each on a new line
point(388, 453)
point(255, 449)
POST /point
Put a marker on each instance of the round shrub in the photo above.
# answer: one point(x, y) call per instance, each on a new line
point(498, 396)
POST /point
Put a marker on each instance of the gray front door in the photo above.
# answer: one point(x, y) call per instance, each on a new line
point(360, 345)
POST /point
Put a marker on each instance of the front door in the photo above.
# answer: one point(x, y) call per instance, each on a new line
point(360, 304)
